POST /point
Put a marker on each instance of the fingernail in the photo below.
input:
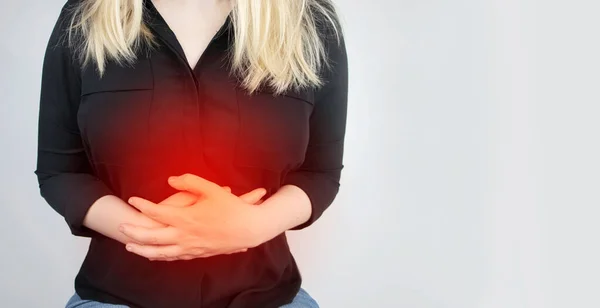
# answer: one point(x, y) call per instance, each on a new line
point(172, 179)
point(129, 247)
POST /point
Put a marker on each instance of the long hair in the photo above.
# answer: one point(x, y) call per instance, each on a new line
point(279, 43)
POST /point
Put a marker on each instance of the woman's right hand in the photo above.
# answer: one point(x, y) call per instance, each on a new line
point(109, 212)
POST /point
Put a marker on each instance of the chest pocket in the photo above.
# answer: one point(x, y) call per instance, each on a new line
point(273, 130)
point(113, 112)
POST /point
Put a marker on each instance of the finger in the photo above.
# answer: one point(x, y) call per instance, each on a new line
point(151, 236)
point(166, 214)
point(254, 196)
point(181, 199)
point(167, 259)
point(186, 257)
point(155, 252)
point(212, 254)
point(237, 251)
point(182, 257)
point(195, 184)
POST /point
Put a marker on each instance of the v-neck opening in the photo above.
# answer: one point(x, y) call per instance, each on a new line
point(172, 39)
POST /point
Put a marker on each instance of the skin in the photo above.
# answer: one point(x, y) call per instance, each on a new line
point(194, 22)
point(202, 220)
point(108, 212)
point(217, 222)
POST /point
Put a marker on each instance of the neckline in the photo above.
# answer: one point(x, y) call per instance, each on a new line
point(160, 25)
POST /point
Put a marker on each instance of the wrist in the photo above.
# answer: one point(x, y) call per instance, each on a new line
point(284, 210)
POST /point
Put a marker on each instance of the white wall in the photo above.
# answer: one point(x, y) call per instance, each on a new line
point(472, 160)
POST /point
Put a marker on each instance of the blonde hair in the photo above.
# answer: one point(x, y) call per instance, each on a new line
point(280, 43)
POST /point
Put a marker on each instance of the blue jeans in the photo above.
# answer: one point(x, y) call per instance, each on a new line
point(302, 300)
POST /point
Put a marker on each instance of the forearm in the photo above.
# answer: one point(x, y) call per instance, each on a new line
point(108, 212)
point(285, 209)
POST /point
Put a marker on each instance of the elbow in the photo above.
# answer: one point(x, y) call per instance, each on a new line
point(42, 178)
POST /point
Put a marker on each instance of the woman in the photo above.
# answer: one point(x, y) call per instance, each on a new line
point(184, 138)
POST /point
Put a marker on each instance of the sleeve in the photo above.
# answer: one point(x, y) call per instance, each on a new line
point(319, 175)
point(64, 174)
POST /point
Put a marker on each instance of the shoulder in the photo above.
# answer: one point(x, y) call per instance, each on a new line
point(327, 19)
point(63, 20)
point(329, 26)
point(61, 31)
point(60, 49)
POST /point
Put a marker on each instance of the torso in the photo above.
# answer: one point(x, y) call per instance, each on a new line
point(144, 122)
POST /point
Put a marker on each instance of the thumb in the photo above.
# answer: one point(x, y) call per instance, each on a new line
point(254, 196)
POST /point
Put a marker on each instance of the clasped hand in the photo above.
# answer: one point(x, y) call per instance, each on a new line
point(202, 220)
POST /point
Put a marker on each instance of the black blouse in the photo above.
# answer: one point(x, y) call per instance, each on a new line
point(124, 134)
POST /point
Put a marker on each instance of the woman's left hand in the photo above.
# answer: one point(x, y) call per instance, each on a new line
point(219, 222)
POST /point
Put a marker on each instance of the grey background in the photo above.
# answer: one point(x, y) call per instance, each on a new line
point(472, 161)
